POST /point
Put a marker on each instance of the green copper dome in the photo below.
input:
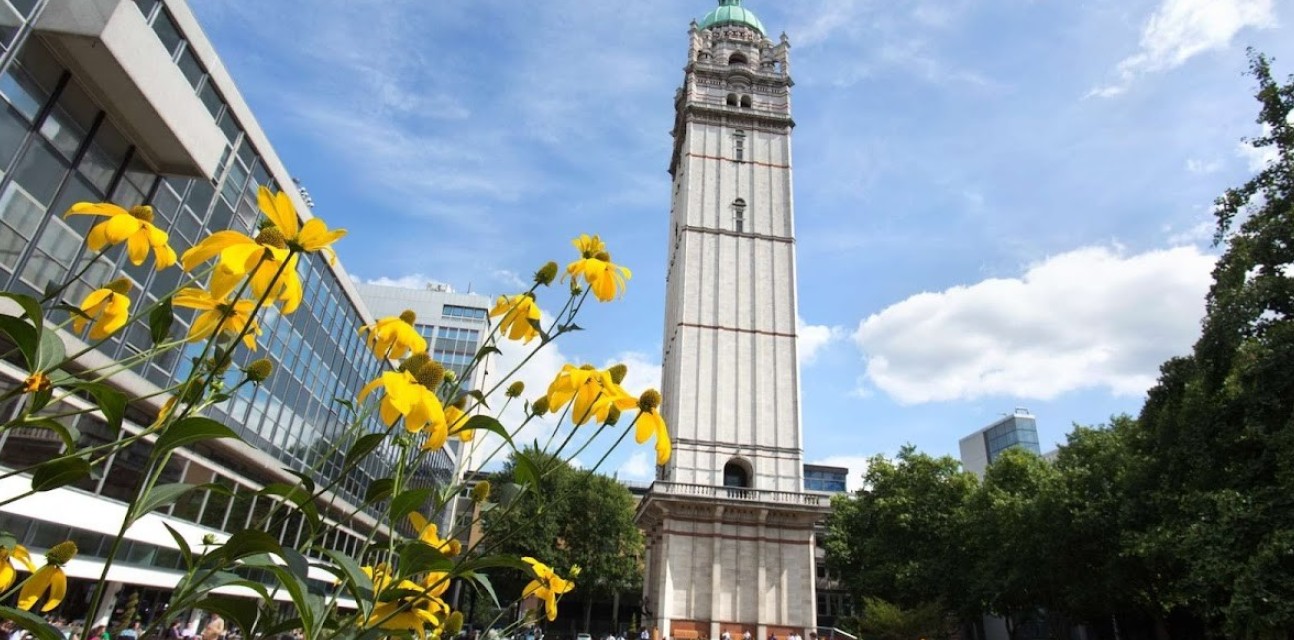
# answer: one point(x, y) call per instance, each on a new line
point(731, 12)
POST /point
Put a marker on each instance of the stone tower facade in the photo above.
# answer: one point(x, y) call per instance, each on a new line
point(729, 527)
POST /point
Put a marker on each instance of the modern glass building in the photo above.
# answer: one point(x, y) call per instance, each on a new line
point(830, 597)
point(126, 101)
point(980, 449)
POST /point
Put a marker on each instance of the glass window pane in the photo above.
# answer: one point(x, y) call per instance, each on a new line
point(191, 67)
point(13, 129)
point(211, 98)
point(146, 6)
point(20, 215)
point(167, 32)
point(104, 156)
point(22, 92)
point(67, 122)
point(40, 171)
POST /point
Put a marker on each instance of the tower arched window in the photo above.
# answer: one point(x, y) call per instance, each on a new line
point(736, 474)
point(739, 215)
point(732, 99)
point(746, 102)
point(737, 59)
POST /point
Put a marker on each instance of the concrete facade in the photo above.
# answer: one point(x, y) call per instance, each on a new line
point(729, 527)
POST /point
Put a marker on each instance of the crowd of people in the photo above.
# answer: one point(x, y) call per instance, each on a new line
point(209, 628)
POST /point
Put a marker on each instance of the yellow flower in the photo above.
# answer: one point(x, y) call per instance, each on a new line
point(395, 336)
point(418, 609)
point(219, 313)
point(428, 534)
point(134, 227)
point(649, 424)
point(7, 571)
point(263, 257)
point(594, 393)
point(456, 416)
point(606, 279)
point(107, 309)
point(49, 578)
point(546, 586)
point(520, 316)
point(404, 396)
point(309, 238)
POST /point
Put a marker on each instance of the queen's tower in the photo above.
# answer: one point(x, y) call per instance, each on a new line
point(729, 527)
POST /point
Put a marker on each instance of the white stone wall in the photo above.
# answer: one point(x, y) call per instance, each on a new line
point(731, 378)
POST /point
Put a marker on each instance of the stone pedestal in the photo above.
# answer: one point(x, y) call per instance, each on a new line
point(727, 559)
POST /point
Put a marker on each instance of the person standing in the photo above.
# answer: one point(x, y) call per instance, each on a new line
point(215, 628)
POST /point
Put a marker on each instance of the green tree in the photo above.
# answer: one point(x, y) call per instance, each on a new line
point(882, 620)
point(1007, 528)
point(1219, 425)
point(573, 518)
point(900, 538)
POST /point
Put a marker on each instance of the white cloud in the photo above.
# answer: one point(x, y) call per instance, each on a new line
point(857, 466)
point(1089, 318)
point(811, 338)
point(1257, 158)
point(638, 467)
point(1203, 167)
point(1179, 30)
point(1197, 233)
point(410, 281)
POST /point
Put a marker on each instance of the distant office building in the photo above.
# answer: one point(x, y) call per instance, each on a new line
point(127, 101)
point(455, 326)
point(831, 599)
point(980, 449)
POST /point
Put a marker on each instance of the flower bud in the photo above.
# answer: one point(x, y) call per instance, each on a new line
point(120, 285)
point(546, 274)
point(453, 547)
point(142, 212)
point(575, 571)
point(481, 492)
point(209, 539)
point(540, 406)
point(453, 624)
point(613, 416)
point(618, 373)
point(649, 400)
point(61, 553)
point(450, 376)
point(515, 389)
point(259, 370)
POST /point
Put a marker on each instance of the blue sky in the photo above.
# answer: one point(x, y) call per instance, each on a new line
point(1000, 203)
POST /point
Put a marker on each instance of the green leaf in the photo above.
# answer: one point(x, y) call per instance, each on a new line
point(162, 495)
point(244, 612)
point(482, 583)
point(30, 308)
point(379, 490)
point(487, 350)
point(111, 402)
point(159, 321)
point(488, 423)
point(249, 542)
point(480, 397)
point(524, 471)
point(23, 335)
point(190, 430)
point(309, 606)
point(59, 473)
point(418, 556)
point(365, 445)
point(49, 351)
point(69, 435)
point(353, 578)
point(296, 562)
point(307, 482)
point(185, 550)
point(31, 622)
point(409, 501)
point(295, 494)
